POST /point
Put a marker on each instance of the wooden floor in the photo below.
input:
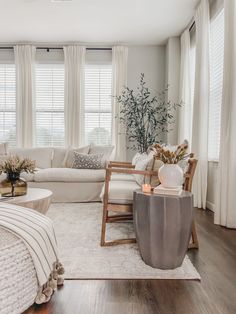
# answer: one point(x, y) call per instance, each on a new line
point(216, 293)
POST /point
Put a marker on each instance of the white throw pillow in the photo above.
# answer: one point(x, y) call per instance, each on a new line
point(3, 148)
point(59, 154)
point(137, 157)
point(68, 160)
point(106, 150)
point(142, 164)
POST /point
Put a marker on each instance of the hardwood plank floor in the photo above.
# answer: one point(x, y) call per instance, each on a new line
point(215, 294)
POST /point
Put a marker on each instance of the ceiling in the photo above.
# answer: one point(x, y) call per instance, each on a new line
point(134, 22)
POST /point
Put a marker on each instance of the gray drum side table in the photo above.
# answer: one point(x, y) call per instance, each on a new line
point(163, 227)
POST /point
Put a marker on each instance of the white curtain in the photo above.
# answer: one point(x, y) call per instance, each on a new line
point(225, 211)
point(74, 76)
point(25, 87)
point(119, 64)
point(185, 112)
point(201, 104)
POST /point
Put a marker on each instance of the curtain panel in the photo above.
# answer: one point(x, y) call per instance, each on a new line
point(119, 67)
point(201, 104)
point(225, 212)
point(74, 77)
point(185, 112)
point(25, 98)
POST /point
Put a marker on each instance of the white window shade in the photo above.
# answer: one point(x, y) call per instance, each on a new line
point(97, 111)
point(8, 104)
point(216, 84)
point(49, 115)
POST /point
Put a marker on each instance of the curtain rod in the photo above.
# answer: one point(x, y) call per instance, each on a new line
point(59, 48)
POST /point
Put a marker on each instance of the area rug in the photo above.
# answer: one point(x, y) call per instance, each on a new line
point(78, 228)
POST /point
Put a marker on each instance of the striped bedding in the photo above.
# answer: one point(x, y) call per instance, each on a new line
point(37, 232)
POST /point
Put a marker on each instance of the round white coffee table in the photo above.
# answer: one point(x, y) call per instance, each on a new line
point(38, 199)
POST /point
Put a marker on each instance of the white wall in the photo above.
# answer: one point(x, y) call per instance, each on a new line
point(149, 60)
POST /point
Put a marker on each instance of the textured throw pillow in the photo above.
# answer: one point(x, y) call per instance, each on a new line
point(87, 161)
point(68, 160)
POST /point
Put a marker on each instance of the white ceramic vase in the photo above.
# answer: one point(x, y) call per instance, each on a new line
point(171, 175)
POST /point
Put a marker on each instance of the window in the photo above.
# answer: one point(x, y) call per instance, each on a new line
point(216, 84)
point(49, 117)
point(98, 104)
point(8, 104)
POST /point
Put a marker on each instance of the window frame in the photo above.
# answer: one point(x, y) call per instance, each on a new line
point(9, 63)
point(91, 64)
point(215, 158)
point(49, 111)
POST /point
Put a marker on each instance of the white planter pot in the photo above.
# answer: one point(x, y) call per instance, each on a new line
point(171, 175)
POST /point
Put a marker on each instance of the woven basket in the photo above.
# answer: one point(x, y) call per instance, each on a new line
point(18, 281)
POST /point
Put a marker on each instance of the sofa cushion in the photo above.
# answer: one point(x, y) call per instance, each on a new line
point(29, 177)
point(68, 160)
point(121, 192)
point(42, 155)
point(58, 157)
point(122, 177)
point(69, 175)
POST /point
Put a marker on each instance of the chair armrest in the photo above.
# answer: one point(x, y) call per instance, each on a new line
point(120, 164)
point(109, 171)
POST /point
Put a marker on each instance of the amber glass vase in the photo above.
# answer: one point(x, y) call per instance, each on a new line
point(13, 185)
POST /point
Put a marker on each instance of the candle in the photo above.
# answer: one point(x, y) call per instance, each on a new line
point(146, 188)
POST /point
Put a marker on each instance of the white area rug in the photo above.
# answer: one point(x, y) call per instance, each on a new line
point(78, 227)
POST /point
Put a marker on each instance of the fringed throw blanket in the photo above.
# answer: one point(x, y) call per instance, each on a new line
point(37, 232)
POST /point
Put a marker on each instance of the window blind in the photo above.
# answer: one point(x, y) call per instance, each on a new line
point(49, 114)
point(98, 104)
point(216, 84)
point(8, 104)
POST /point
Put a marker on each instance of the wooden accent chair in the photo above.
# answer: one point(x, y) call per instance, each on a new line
point(122, 210)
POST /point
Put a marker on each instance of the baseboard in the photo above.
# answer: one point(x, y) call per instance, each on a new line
point(210, 206)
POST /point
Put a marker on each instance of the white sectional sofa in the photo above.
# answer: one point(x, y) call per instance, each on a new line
point(67, 184)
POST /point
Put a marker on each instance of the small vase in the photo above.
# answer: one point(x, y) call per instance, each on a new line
point(171, 176)
point(13, 185)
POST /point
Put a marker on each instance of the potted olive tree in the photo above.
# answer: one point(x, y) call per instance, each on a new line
point(145, 117)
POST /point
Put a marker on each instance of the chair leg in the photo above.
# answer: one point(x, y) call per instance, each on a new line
point(194, 244)
point(104, 221)
point(120, 218)
point(119, 241)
